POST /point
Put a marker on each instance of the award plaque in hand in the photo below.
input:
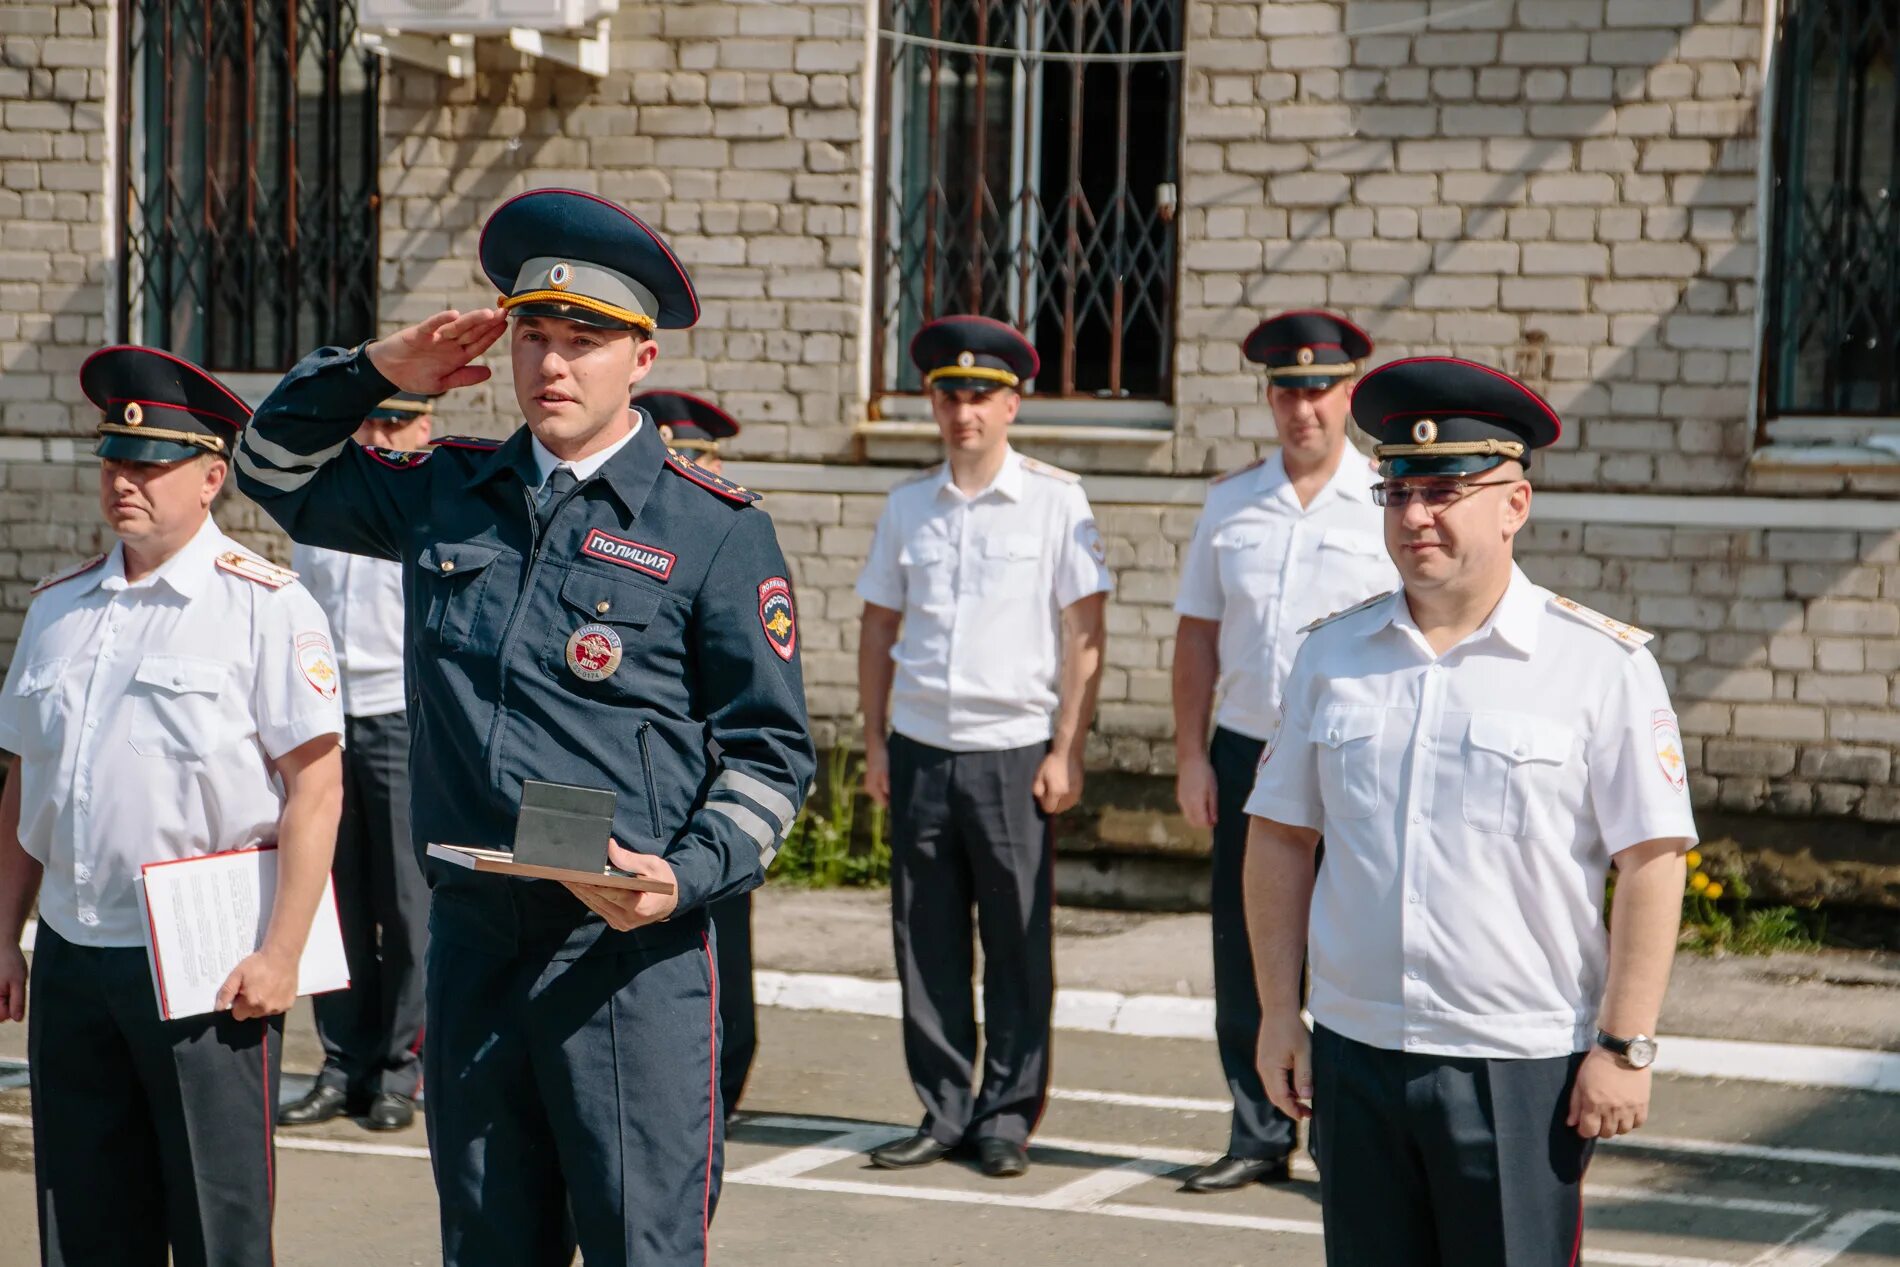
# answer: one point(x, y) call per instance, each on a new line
point(561, 833)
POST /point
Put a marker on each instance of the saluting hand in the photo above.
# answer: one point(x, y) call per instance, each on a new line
point(263, 984)
point(433, 356)
point(625, 909)
point(12, 984)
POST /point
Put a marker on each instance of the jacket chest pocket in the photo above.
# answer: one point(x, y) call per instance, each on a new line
point(594, 645)
point(1010, 564)
point(1248, 556)
point(929, 573)
point(452, 584)
point(178, 707)
point(1348, 741)
point(41, 710)
point(1512, 763)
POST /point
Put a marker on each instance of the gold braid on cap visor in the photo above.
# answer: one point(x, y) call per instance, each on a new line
point(211, 444)
point(983, 372)
point(695, 446)
point(588, 302)
point(1336, 370)
point(1456, 449)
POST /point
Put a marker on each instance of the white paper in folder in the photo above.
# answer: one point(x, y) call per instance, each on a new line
point(204, 915)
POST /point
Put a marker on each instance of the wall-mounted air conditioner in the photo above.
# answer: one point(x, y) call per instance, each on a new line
point(481, 17)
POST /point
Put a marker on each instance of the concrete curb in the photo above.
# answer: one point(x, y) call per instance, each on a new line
point(1175, 1016)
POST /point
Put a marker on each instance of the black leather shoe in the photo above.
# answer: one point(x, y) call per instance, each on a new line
point(1230, 1173)
point(320, 1104)
point(919, 1150)
point(1002, 1159)
point(389, 1112)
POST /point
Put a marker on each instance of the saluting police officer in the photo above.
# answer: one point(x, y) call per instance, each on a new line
point(1280, 544)
point(172, 698)
point(584, 608)
point(991, 567)
point(1478, 752)
point(693, 428)
point(372, 1032)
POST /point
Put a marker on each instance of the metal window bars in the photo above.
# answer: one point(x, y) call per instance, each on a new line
point(1035, 190)
point(247, 190)
point(1834, 292)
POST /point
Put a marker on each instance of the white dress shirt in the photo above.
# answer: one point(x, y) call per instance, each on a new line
point(145, 716)
point(981, 581)
point(362, 597)
point(1265, 567)
point(545, 461)
point(1471, 804)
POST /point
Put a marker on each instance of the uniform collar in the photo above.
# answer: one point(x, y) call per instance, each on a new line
point(185, 572)
point(629, 467)
point(545, 462)
point(1515, 621)
point(1351, 480)
point(1008, 482)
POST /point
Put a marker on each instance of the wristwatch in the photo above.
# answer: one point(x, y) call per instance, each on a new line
point(1638, 1052)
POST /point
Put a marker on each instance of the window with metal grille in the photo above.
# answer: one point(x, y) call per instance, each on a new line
point(247, 199)
point(1035, 189)
point(1834, 293)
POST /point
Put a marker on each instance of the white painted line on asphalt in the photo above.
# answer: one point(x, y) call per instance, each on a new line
point(1754, 1152)
point(1699, 1201)
point(1845, 1067)
point(1092, 1189)
point(13, 1073)
point(1128, 1100)
point(837, 1148)
point(1831, 1241)
point(304, 1144)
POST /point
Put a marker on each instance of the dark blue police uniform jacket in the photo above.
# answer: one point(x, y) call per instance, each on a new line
point(671, 558)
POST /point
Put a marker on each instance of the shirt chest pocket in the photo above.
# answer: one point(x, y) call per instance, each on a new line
point(1249, 556)
point(604, 660)
point(1513, 763)
point(179, 707)
point(1011, 564)
point(929, 573)
point(1347, 739)
point(39, 710)
point(452, 585)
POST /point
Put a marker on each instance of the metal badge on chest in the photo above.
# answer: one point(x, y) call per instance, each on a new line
point(593, 652)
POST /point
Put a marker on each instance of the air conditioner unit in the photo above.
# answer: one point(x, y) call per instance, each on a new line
point(481, 17)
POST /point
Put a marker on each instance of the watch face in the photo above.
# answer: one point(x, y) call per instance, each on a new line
point(1642, 1053)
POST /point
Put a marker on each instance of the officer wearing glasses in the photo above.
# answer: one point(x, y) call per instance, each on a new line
point(1478, 752)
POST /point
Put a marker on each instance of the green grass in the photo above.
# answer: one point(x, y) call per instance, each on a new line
point(838, 839)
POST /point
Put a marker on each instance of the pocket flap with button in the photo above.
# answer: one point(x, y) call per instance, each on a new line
point(1520, 738)
point(1341, 725)
point(457, 558)
point(38, 677)
point(922, 553)
point(182, 675)
point(1012, 546)
point(1351, 542)
point(1242, 537)
point(608, 600)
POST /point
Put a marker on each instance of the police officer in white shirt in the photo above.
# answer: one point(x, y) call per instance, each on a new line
point(1477, 752)
point(172, 698)
point(991, 567)
point(1280, 544)
point(372, 1032)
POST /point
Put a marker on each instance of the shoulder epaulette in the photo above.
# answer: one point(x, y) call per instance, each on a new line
point(483, 443)
point(1627, 634)
point(924, 474)
point(1340, 615)
point(738, 494)
point(1251, 466)
point(1053, 472)
point(77, 569)
point(397, 459)
point(253, 568)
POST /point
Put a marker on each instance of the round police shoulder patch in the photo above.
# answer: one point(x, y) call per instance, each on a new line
point(777, 616)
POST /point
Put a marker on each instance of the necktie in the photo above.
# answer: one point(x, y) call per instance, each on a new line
point(557, 487)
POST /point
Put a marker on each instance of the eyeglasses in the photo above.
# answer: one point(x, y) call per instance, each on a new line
point(1435, 497)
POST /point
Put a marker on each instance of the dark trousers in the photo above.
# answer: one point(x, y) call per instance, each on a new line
point(372, 1032)
point(573, 1102)
point(738, 1013)
point(965, 828)
point(147, 1133)
point(1259, 1129)
point(1441, 1161)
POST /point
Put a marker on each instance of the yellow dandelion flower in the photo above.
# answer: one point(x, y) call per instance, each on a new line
point(1699, 882)
point(1694, 859)
point(1713, 891)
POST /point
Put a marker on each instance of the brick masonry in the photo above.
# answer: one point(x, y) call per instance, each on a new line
point(1563, 188)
